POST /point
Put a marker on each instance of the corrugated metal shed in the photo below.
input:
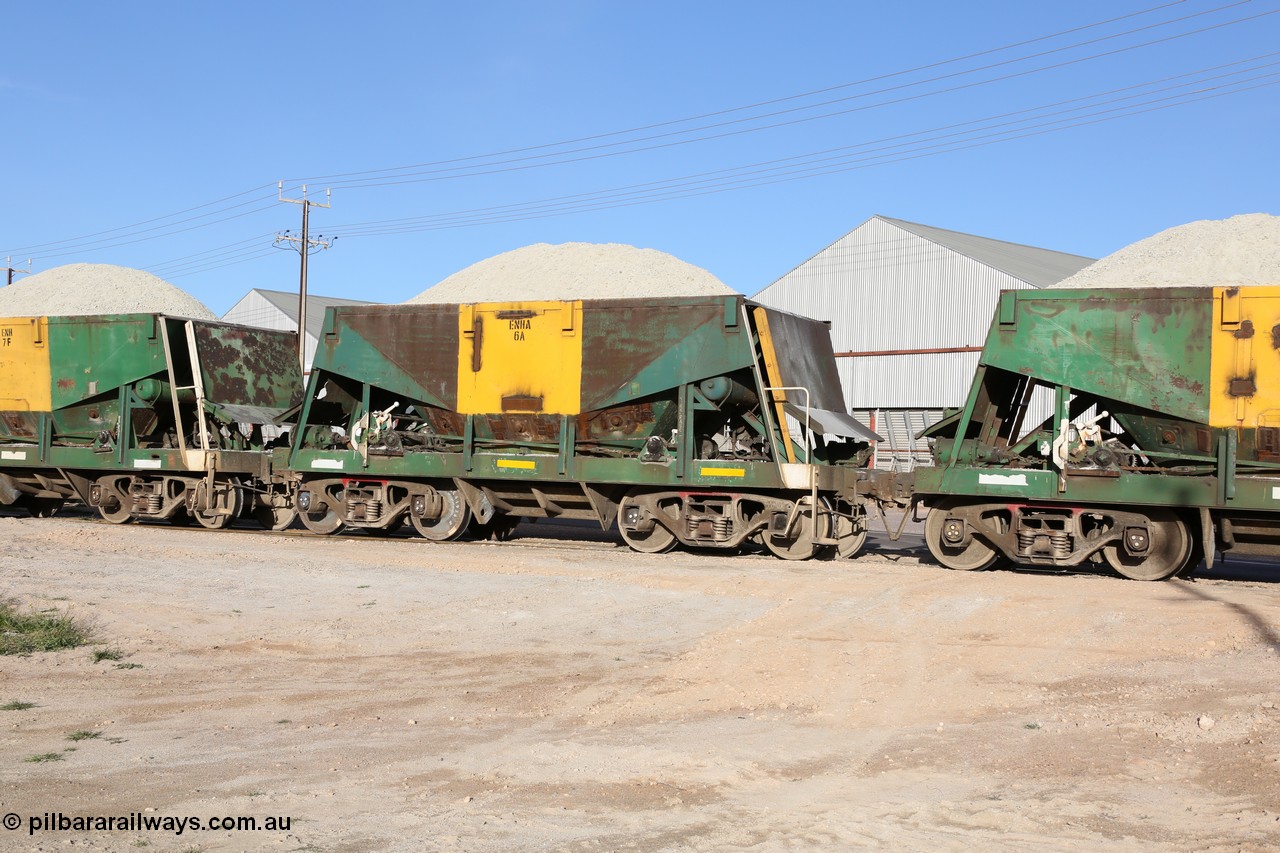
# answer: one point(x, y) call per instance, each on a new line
point(890, 286)
point(278, 309)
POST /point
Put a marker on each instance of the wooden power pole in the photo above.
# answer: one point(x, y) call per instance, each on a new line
point(10, 269)
point(304, 245)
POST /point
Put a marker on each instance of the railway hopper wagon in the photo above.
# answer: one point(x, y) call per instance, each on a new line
point(1162, 446)
point(698, 421)
point(144, 416)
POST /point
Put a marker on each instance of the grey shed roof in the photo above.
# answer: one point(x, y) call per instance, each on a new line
point(909, 304)
point(1037, 267)
point(288, 303)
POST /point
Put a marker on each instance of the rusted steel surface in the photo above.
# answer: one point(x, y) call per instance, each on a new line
point(254, 370)
point(1148, 347)
point(634, 348)
point(617, 422)
point(408, 349)
point(527, 427)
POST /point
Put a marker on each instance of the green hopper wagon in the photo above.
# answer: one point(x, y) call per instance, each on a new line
point(1139, 428)
point(702, 421)
point(144, 416)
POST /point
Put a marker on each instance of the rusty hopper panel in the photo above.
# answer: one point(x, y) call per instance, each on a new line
point(93, 356)
point(252, 374)
point(629, 349)
point(1147, 347)
point(637, 348)
point(410, 350)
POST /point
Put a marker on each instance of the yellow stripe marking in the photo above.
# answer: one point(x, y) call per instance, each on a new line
point(773, 377)
point(522, 464)
point(723, 472)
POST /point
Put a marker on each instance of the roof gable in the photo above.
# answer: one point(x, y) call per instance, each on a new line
point(1037, 267)
point(287, 303)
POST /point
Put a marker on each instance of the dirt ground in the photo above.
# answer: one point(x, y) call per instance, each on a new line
point(558, 692)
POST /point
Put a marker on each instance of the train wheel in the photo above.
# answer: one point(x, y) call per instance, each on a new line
point(43, 507)
point(851, 532)
point(274, 511)
point(275, 517)
point(324, 523)
point(973, 556)
point(455, 515)
point(657, 540)
point(327, 521)
point(119, 515)
point(803, 545)
point(1168, 550)
point(219, 521)
point(114, 510)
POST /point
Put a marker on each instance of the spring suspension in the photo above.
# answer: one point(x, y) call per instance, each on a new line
point(1026, 540)
point(154, 503)
point(360, 509)
point(1054, 543)
point(714, 528)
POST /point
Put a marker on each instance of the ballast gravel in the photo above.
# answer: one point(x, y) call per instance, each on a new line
point(1242, 250)
point(77, 289)
point(544, 271)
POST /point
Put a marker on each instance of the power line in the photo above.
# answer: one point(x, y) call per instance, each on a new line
point(759, 104)
point(68, 246)
point(731, 182)
point(415, 174)
point(868, 162)
point(101, 240)
point(71, 241)
point(600, 199)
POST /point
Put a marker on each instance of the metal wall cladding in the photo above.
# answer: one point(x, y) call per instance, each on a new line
point(885, 288)
point(935, 380)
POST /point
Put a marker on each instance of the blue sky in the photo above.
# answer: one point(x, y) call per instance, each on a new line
point(152, 135)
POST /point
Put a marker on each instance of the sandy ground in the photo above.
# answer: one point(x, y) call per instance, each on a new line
point(554, 693)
